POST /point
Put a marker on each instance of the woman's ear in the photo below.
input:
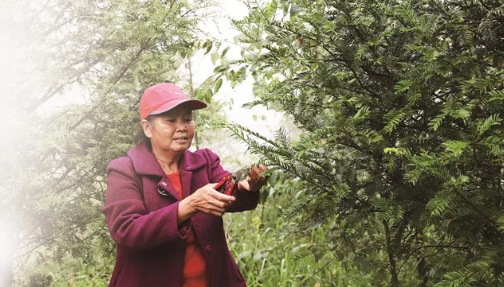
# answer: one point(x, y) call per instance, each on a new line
point(146, 126)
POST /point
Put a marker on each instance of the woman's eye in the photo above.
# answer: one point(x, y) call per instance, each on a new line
point(187, 120)
point(172, 120)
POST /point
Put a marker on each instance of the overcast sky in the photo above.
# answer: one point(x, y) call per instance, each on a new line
point(241, 94)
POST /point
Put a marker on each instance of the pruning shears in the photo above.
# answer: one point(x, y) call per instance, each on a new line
point(226, 184)
point(230, 180)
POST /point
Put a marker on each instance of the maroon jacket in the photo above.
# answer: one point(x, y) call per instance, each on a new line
point(150, 245)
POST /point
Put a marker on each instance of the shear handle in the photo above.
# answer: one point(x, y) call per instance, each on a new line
point(222, 184)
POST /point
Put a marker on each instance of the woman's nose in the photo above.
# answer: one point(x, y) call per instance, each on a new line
point(181, 125)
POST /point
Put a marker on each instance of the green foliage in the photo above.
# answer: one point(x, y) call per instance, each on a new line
point(267, 255)
point(53, 165)
point(399, 104)
point(396, 178)
point(72, 271)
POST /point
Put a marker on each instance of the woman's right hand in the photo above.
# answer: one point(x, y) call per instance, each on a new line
point(205, 199)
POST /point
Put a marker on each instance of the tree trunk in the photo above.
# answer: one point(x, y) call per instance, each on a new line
point(191, 95)
point(394, 279)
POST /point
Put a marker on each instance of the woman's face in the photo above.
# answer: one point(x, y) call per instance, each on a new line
point(171, 132)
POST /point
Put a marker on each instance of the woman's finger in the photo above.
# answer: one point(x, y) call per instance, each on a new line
point(208, 200)
point(219, 195)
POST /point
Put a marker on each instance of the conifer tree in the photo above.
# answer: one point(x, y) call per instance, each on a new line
point(400, 105)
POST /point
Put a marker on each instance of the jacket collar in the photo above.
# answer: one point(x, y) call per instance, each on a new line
point(145, 163)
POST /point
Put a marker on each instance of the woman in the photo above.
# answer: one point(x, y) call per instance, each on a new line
point(161, 206)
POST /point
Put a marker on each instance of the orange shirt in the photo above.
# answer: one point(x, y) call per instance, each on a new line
point(195, 271)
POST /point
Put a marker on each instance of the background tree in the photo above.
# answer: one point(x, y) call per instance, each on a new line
point(54, 159)
point(400, 106)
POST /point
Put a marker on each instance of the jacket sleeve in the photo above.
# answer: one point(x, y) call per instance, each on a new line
point(128, 220)
point(245, 200)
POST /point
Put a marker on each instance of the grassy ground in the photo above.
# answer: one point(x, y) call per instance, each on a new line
point(269, 256)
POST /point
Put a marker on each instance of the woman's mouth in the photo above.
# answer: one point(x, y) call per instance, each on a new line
point(180, 139)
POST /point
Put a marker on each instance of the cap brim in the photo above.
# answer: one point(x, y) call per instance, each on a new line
point(192, 104)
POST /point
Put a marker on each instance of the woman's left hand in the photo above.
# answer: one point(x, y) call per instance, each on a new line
point(254, 181)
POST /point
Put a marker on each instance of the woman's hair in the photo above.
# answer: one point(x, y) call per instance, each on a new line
point(141, 137)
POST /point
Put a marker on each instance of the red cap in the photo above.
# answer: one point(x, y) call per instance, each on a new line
point(163, 97)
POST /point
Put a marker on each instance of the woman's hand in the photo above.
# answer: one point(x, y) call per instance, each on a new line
point(254, 181)
point(206, 199)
